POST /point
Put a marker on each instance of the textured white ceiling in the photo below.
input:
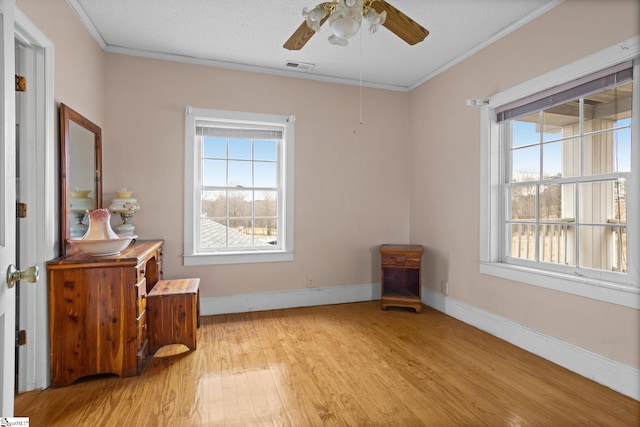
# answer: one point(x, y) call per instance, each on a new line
point(249, 35)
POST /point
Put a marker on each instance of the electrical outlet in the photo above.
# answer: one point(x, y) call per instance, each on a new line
point(444, 287)
point(311, 282)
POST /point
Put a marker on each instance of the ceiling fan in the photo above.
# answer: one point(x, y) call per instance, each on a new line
point(345, 18)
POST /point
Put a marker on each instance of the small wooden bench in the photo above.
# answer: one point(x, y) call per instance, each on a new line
point(173, 313)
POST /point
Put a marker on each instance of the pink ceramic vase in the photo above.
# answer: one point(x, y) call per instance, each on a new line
point(99, 226)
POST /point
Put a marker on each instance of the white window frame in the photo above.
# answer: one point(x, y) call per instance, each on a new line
point(284, 250)
point(625, 292)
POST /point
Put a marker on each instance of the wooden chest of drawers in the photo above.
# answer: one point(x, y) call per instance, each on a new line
point(97, 312)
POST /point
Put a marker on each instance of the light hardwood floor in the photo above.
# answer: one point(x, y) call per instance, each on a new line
point(338, 365)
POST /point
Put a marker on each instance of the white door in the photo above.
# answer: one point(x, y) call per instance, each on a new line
point(7, 207)
point(37, 234)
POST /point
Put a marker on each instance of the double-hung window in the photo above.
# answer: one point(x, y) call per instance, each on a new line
point(239, 187)
point(560, 187)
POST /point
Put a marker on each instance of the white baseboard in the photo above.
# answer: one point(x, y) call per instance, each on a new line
point(622, 378)
point(288, 299)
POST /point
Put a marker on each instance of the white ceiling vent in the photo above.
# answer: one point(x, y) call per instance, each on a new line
point(298, 66)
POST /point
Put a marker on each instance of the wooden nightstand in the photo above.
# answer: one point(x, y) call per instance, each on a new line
point(401, 276)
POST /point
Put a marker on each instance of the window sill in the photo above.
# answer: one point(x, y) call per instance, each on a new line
point(237, 258)
point(611, 292)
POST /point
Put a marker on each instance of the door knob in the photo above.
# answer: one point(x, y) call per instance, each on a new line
point(29, 274)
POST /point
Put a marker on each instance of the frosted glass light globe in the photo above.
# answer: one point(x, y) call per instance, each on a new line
point(345, 27)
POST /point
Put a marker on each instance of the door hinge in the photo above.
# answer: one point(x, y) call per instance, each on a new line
point(21, 337)
point(21, 84)
point(21, 210)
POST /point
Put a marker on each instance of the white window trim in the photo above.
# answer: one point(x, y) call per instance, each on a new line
point(191, 256)
point(491, 216)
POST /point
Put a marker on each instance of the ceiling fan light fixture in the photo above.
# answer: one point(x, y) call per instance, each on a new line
point(345, 27)
point(375, 19)
point(338, 41)
point(313, 16)
point(345, 21)
point(344, 17)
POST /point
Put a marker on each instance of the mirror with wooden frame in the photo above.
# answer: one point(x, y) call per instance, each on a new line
point(80, 174)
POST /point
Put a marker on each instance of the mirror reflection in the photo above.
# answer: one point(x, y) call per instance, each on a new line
point(81, 177)
point(80, 173)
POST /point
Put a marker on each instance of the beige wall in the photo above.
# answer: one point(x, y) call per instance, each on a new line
point(445, 138)
point(79, 60)
point(352, 182)
point(350, 179)
point(351, 190)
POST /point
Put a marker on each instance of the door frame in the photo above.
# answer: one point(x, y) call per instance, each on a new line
point(7, 207)
point(40, 237)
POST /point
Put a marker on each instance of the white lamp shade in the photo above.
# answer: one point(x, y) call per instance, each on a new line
point(124, 206)
point(314, 16)
point(81, 204)
point(345, 27)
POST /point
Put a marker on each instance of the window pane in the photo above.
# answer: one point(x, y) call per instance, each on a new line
point(240, 149)
point(598, 153)
point(214, 173)
point(607, 152)
point(557, 243)
point(603, 109)
point(526, 164)
point(603, 202)
point(240, 232)
point(240, 203)
point(266, 222)
point(213, 233)
point(266, 231)
point(603, 247)
point(523, 202)
point(214, 148)
point(266, 204)
point(556, 202)
point(240, 174)
point(620, 201)
point(264, 150)
point(561, 159)
point(552, 160)
point(525, 130)
point(265, 174)
point(619, 262)
point(562, 121)
point(214, 204)
point(523, 241)
point(622, 147)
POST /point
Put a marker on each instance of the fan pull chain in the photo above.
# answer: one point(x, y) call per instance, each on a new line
point(360, 77)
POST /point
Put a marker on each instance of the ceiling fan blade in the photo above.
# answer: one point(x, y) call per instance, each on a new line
point(400, 24)
point(301, 36)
